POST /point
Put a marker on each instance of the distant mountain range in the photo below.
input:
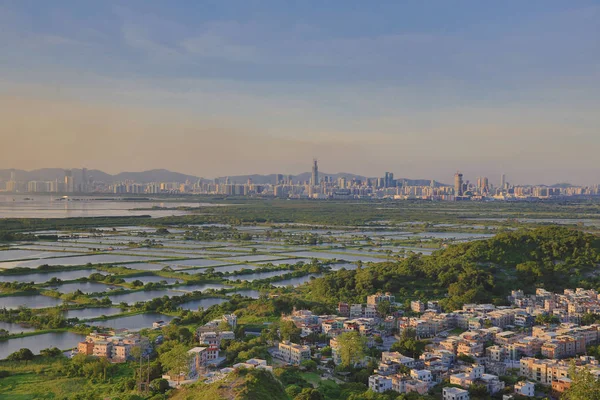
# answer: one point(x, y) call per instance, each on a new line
point(51, 174)
point(163, 175)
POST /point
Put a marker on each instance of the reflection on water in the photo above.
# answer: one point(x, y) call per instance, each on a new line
point(49, 206)
point(254, 294)
point(88, 313)
point(133, 322)
point(258, 275)
point(14, 328)
point(144, 295)
point(33, 301)
point(204, 303)
point(46, 276)
point(36, 343)
point(295, 281)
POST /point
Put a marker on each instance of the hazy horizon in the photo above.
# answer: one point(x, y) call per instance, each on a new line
point(494, 180)
point(213, 89)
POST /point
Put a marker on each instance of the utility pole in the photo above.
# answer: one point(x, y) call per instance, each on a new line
point(144, 384)
point(140, 384)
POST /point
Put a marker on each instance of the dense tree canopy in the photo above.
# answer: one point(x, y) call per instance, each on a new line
point(478, 271)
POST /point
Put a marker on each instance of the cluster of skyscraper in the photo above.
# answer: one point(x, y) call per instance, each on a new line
point(68, 184)
point(319, 186)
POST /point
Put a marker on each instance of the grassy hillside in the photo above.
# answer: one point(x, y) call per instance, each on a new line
point(480, 271)
point(239, 385)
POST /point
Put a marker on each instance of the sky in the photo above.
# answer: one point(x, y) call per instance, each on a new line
point(215, 88)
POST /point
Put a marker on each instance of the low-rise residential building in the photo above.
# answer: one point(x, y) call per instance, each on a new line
point(406, 384)
point(496, 353)
point(107, 345)
point(254, 363)
point(467, 378)
point(379, 297)
point(543, 371)
point(561, 385)
point(525, 388)
point(215, 338)
point(292, 353)
point(453, 393)
point(417, 306)
point(423, 375)
point(343, 309)
point(201, 357)
point(380, 383)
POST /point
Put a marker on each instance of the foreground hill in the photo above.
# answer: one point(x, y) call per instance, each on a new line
point(482, 271)
point(238, 385)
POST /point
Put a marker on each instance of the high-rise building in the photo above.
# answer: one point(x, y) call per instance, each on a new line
point(11, 186)
point(502, 181)
point(458, 184)
point(315, 173)
point(84, 180)
point(69, 183)
point(278, 179)
point(482, 184)
point(389, 180)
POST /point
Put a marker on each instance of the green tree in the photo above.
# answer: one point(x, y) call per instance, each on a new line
point(159, 385)
point(408, 344)
point(352, 348)
point(185, 335)
point(309, 394)
point(478, 390)
point(293, 390)
point(51, 352)
point(584, 385)
point(224, 326)
point(465, 358)
point(384, 308)
point(543, 319)
point(310, 365)
point(590, 318)
point(289, 331)
point(21, 355)
point(177, 360)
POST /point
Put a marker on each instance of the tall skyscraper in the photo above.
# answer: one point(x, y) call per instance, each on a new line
point(458, 184)
point(315, 173)
point(69, 183)
point(11, 185)
point(84, 180)
point(389, 180)
point(502, 181)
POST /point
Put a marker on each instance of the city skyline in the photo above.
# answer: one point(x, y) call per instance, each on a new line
point(497, 180)
point(223, 89)
point(304, 186)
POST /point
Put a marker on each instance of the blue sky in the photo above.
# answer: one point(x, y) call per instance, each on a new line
point(230, 87)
